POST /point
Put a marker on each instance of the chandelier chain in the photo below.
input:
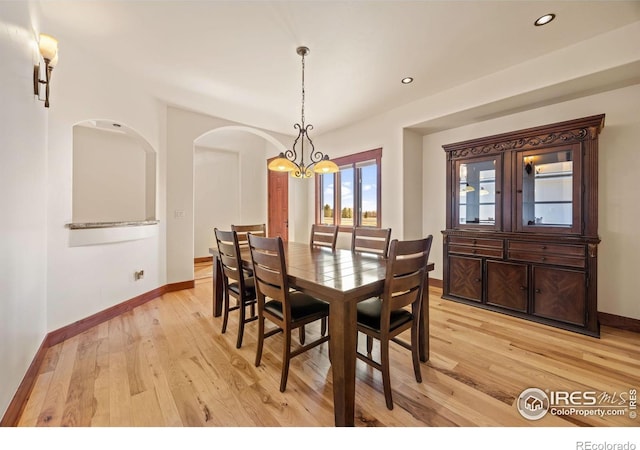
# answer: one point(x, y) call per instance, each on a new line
point(302, 113)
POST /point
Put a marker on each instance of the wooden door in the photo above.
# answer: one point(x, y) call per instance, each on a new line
point(278, 204)
point(559, 294)
point(465, 278)
point(507, 285)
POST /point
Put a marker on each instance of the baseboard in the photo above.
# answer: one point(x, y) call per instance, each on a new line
point(19, 401)
point(624, 323)
point(434, 282)
point(203, 259)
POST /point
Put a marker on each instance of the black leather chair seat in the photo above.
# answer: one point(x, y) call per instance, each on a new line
point(369, 315)
point(302, 305)
point(249, 288)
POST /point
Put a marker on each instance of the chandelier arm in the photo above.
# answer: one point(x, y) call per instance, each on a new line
point(315, 156)
point(292, 154)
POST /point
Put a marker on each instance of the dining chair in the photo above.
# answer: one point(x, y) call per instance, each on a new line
point(371, 240)
point(324, 236)
point(235, 282)
point(288, 309)
point(385, 317)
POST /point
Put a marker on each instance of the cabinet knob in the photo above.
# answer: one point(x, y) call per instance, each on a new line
point(543, 259)
point(544, 247)
point(537, 291)
point(523, 288)
point(478, 280)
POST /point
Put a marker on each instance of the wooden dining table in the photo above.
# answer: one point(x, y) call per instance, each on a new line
point(341, 278)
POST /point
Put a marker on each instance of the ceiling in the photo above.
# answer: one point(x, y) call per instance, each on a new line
point(237, 59)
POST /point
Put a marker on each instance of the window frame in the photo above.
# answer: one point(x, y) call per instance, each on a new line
point(351, 160)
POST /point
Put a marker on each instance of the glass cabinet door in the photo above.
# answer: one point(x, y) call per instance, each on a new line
point(548, 192)
point(476, 189)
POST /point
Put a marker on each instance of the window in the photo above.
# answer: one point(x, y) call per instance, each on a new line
point(351, 197)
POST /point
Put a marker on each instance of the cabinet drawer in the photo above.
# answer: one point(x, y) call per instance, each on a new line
point(547, 249)
point(476, 251)
point(476, 242)
point(538, 257)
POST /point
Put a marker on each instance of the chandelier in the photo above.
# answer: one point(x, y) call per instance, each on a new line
point(288, 161)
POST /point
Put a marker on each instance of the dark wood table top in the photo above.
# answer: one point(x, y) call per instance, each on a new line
point(331, 274)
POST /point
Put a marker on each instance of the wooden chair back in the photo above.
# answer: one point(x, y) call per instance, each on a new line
point(269, 269)
point(229, 250)
point(371, 240)
point(259, 229)
point(406, 271)
point(324, 236)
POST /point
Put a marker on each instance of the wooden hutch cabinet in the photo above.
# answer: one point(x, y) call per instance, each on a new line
point(522, 224)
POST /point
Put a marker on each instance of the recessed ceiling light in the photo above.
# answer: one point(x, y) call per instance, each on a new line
point(544, 19)
point(407, 80)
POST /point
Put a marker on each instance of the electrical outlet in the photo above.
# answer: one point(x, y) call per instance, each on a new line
point(138, 275)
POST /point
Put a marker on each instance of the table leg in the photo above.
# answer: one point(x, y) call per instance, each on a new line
point(424, 323)
point(217, 287)
point(343, 332)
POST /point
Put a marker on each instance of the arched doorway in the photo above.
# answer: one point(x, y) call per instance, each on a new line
point(230, 180)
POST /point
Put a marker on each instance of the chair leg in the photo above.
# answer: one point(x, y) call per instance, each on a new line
point(323, 326)
point(241, 321)
point(386, 377)
point(225, 317)
point(286, 357)
point(414, 354)
point(260, 339)
point(369, 344)
point(302, 335)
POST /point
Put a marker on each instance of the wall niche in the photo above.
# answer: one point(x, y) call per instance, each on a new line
point(114, 176)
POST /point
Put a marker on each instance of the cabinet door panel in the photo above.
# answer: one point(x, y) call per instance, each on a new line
point(477, 193)
point(507, 285)
point(549, 190)
point(559, 294)
point(465, 277)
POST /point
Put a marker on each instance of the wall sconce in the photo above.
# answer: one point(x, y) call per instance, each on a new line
point(49, 50)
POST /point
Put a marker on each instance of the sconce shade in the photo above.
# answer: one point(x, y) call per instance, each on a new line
point(48, 47)
point(281, 164)
point(54, 61)
point(326, 166)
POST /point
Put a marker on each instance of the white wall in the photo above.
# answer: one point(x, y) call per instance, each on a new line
point(23, 195)
point(83, 280)
point(216, 195)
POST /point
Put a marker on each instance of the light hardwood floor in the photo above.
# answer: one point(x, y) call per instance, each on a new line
point(166, 364)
